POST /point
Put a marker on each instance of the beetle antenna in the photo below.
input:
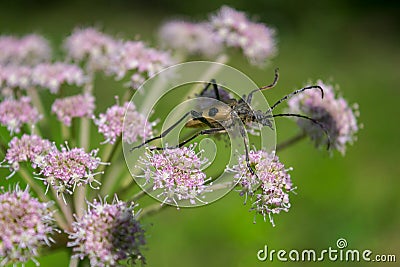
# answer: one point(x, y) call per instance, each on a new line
point(295, 93)
point(250, 96)
point(310, 119)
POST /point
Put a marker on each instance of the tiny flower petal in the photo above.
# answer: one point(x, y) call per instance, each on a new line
point(77, 106)
point(15, 113)
point(107, 234)
point(332, 111)
point(25, 225)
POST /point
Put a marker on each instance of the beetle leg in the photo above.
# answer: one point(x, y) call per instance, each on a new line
point(215, 88)
point(163, 133)
point(202, 132)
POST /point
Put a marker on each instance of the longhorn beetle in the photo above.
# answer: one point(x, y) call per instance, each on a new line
point(220, 117)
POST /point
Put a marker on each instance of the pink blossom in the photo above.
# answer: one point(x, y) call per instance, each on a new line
point(107, 234)
point(28, 50)
point(270, 184)
point(177, 172)
point(28, 148)
point(25, 225)
point(332, 111)
point(139, 60)
point(15, 113)
point(67, 168)
point(77, 106)
point(91, 46)
point(234, 29)
point(190, 38)
point(111, 124)
point(52, 76)
point(15, 76)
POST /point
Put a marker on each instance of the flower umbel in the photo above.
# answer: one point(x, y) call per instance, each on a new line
point(333, 112)
point(138, 59)
point(108, 233)
point(68, 168)
point(77, 106)
point(30, 148)
point(15, 113)
point(177, 172)
point(25, 225)
point(29, 49)
point(14, 76)
point(111, 124)
point(52, 76)
point(91, 46)
point(234, 29)
point(190, 38)
point(270, 185)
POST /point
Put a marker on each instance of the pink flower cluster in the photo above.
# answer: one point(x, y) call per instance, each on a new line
point(270, 184)
point(190, 38)
point(77, 106)
point(25, 225)
point(332, 111)
point(14, 76)
point(126, 119)
point(15, 113)
point(91, 46)
point(139, 60)
point(27, 50)
point(67, 168)
point(108, 234)
point(52, 76)
point(47, 75)
point(177, 172)
point(234, 29)
point(28, 148)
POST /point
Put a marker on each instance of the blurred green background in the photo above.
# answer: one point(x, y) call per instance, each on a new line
point(355, 44)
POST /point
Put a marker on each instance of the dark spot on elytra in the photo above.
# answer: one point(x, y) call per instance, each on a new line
point(212, 112)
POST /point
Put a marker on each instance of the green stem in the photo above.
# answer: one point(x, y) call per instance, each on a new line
point(35, 187)
point(40, 193)
point(128, 95)
point(84, 133)
point(65, 132)
point(37, 102)
point(74, 262)
point(80, 193)
point(138, 195)
point(291, 141)
point(111, 178)
point(152, 209)
point(66, 210)
point(127, 182)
